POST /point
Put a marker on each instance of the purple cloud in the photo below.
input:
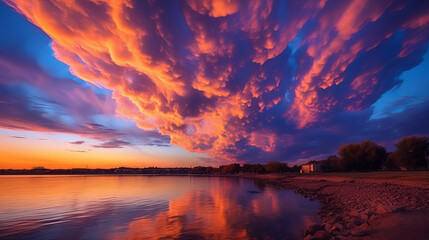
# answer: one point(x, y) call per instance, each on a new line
point(113, 144)
point(249, 80)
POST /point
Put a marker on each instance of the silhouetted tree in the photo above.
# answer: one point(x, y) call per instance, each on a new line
point(247, 168)
point(362, 156)
point(253, 168)
point(330, 164)
point(204, 170)
point(276, 167)
point(295, 168)
point(390, 162)
point(231, 168)
point(411, 153)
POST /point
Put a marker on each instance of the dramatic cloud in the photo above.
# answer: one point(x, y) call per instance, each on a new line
point(77, 142)
point(31, 99)
point(236, 79)
point(38, 93)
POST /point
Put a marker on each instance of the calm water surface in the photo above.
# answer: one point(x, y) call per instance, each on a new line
point(148, 207)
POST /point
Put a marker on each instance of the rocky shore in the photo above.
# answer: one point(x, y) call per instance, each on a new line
point(354, 208)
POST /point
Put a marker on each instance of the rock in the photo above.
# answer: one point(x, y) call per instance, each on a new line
point(346, 232)
point(310, 237)
point(399, 208)
point(328, 227)
point(340, 237)
point(374, 220)
point(322, 235)
point(350, 225)
point(305, 232)
point(384, 209)
point(314, 228)
point(364, 216)
point(347, 218)
point(358, 221)
point(330, 220)
point(374, 217)
point(339, 226)
point(357, 232)
point(338, 218)
point(336, 227)
point(369, 212)
point(354, 213)
point(364, 226)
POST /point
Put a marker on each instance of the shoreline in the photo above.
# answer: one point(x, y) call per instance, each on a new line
point(361, 205)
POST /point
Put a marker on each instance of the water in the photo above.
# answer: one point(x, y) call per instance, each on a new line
point(148, 207)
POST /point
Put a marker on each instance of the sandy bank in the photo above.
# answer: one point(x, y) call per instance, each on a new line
point(363, 205)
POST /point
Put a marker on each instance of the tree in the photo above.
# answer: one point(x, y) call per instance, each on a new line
point(332, 163)
point(295, 168)
point(411, 153)
point(231, 168)
point(362, 156)
point(276, 167)
point(253, 168)
point(390, 163)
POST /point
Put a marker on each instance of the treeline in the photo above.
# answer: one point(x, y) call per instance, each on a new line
point(410, 154)
point(269, 167)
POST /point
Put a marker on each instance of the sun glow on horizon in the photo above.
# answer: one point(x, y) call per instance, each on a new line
point(25, 150)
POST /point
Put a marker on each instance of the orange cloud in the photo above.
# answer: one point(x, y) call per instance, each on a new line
point(333, 55)
point(215, 8)
point(213, 74)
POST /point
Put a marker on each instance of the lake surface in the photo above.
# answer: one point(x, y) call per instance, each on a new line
point(149, 207)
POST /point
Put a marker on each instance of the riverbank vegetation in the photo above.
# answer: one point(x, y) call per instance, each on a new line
point(410, 154)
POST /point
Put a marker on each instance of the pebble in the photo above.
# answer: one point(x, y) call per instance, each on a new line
point(354, 213)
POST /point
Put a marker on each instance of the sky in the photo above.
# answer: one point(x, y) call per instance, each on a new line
point(109, 83)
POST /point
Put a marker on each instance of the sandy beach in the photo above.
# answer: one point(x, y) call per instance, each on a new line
point(377, 205)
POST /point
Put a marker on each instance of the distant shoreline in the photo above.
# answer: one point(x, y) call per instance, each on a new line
point(97, 171)
point(130, 174)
